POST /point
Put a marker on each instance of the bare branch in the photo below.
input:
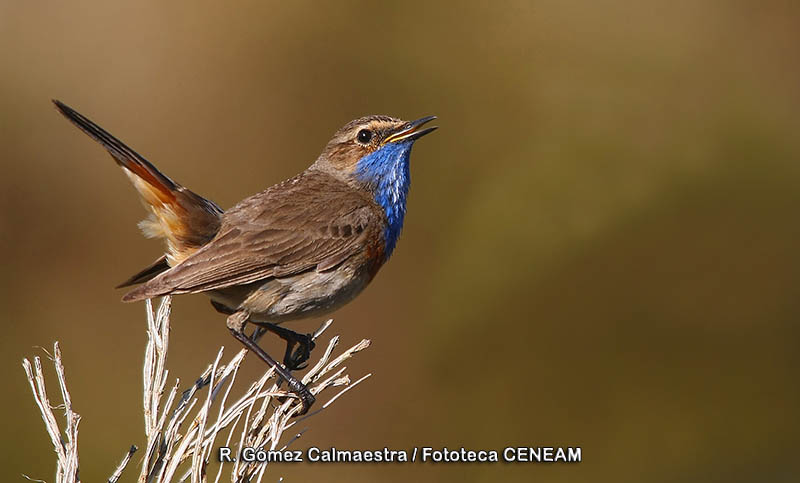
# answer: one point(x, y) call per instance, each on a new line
point(181, 430)
point(66, 447)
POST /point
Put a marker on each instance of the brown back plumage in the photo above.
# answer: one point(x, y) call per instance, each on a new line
point(310, 222)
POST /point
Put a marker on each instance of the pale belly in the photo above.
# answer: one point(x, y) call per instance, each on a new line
point(300, 296)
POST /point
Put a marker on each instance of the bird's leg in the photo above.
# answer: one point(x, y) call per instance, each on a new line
point(236, 323)
point(293, 359)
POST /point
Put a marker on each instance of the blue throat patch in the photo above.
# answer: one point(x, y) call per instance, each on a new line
point(386, 171)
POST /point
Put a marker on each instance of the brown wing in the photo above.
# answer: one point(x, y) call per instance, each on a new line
point(310, 222)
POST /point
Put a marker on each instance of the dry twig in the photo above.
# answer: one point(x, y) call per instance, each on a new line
point(181, 430)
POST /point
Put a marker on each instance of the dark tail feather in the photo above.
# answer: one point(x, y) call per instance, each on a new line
point(185, 219)
point(148, 273)
point(125, 156)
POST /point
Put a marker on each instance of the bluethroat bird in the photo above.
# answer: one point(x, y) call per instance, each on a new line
point(301, 248)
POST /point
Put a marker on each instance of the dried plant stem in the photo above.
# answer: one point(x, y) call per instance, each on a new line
point(66, 448)
point(181, 429)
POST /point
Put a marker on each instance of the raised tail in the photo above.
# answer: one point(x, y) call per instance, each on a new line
point(184, 219)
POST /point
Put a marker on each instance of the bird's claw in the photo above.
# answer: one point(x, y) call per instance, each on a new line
point(302, 391)
point(294, 359)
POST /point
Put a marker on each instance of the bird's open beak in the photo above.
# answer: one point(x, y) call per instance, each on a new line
point(411, 131)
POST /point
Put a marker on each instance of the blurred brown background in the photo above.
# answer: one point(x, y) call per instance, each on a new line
point(602, 247)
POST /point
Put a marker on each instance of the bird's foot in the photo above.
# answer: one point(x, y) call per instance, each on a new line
point(302, 391)
point(295, 358)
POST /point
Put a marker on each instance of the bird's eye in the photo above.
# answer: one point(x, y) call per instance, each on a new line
point(364, 136)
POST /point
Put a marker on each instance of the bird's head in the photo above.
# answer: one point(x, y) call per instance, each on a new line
point(372, 153)
point(371, 147)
